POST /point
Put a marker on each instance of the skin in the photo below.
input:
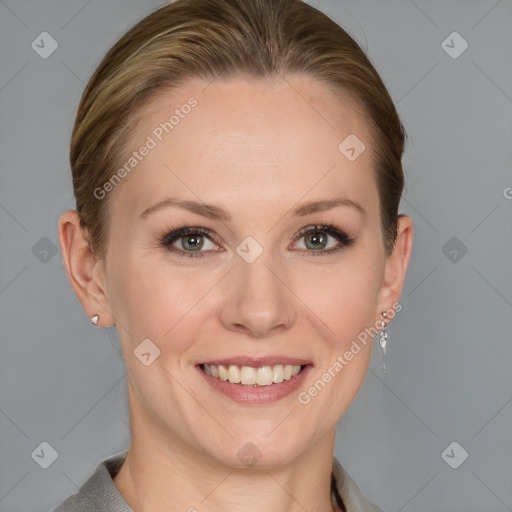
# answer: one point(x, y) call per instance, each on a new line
point(257, 150)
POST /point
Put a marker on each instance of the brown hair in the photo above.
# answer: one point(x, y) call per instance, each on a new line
point(224, 38)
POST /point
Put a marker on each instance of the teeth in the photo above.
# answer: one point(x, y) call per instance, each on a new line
point(223, 372)
point(249, 376)
point(264, 376)
point(233, 374)
point(278, 371)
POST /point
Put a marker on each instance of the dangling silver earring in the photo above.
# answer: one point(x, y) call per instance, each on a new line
point(383, 338)
point(94, 320)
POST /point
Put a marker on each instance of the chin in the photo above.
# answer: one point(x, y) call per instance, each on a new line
point(259, 450)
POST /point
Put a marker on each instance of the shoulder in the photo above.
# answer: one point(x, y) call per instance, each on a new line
point(99, 492)
point(352, 496)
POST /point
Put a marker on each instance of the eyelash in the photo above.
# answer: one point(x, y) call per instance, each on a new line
point(173, 234)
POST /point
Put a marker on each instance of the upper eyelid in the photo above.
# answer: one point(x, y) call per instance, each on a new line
point(184, 231)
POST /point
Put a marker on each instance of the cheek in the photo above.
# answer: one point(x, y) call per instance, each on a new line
point(156, 299)
point(343, 296)
point(343, 302)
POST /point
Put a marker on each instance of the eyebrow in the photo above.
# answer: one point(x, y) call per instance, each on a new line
point(216, 212)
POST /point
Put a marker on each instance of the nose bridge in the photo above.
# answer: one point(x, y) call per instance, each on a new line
point(258, 300)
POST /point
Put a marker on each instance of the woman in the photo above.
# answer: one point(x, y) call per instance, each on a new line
point(237, 171)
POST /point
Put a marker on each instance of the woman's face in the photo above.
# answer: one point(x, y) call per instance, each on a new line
point(249, 289)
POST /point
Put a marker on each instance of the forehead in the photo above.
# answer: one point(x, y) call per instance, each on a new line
point(276, 140)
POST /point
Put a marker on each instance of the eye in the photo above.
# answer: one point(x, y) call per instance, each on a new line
point(187, 241)
point(316, 238)
point(197, 242)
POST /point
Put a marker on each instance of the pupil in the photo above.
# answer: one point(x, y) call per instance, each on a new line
point(317, 239)
point(196, 242)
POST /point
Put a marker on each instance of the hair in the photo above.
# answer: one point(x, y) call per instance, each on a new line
point(210, 39)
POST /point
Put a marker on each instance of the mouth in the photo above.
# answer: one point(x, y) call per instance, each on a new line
point(266, 375)
point(255, 381)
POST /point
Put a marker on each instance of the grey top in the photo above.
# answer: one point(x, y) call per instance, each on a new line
point(100, 494)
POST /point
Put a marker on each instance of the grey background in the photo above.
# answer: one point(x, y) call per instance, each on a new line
point(449, 358)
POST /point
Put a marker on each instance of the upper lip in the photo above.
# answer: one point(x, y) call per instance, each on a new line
point(256, 362)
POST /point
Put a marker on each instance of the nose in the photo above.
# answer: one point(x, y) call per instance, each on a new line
point(259, 300)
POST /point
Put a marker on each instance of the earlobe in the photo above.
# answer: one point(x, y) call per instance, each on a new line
point(396, 265)
point(86, 278)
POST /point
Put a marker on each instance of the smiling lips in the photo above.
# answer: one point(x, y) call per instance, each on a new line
point(255, 380)
point(252, 376)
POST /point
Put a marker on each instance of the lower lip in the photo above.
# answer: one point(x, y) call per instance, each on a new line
point(256, 394)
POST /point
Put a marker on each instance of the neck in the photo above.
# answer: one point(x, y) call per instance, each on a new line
point(168, 475)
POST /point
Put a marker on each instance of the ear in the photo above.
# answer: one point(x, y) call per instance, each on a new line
point(85, 270)
point(395, 266)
